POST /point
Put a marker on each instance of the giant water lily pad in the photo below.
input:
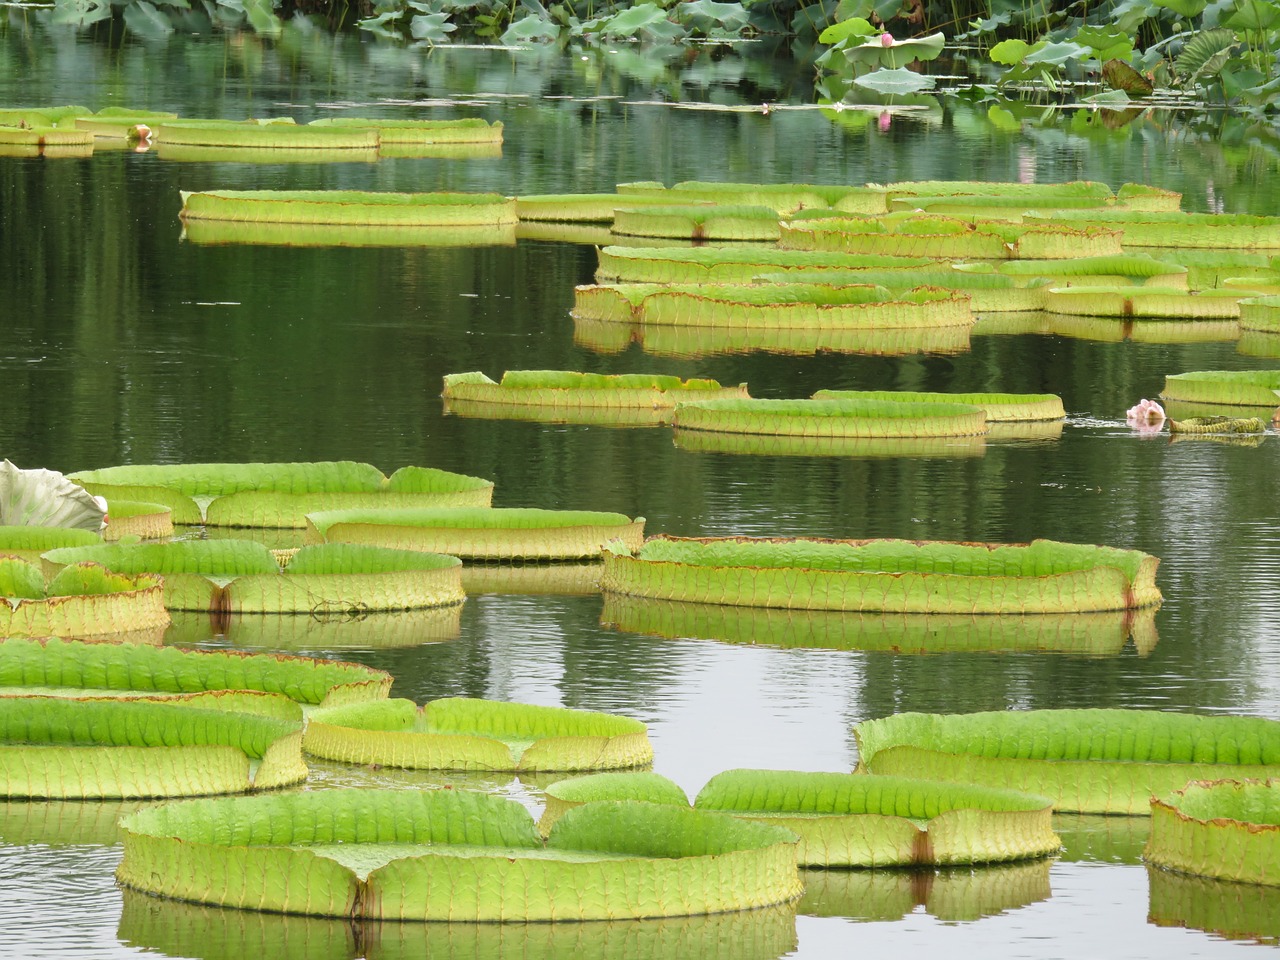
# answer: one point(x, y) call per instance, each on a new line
point(83, 599)
point(253, 135)
point(1232, 388)
point(454, 855)
point(226, 577)
point(465, 734)
point(580, 397)
point(350, 207)
point(832, 418)
point(773, 307)
point(699, 222)
point(1143, 302)
point(1044, 576)
point(1090, 761)
point(646, 787)
point(733, 264)
point(997, 407)
point(782, 198)
point(280, 494)
point(1226, 829)
point(30, 542)
point(497, 533)
point(853, 820)
point(1210, 231)
point(191, 931)
point(67, 748)
point(1260, 313)
point(80, 668)
point(467, 130)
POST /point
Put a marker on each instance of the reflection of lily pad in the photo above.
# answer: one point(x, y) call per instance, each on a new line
point(854, 820)
point(464, 734)
point(1080, 634)
point(190, 930)
point(1088, 761)
point(1236, 911)
point(565, 579)
point(325, 630)
point(454, 855)
point(63, 822)
point(1088, 837)
point(955, 895)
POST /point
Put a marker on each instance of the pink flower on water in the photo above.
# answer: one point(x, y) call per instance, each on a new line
point(1147, 415)
point(886, 39)
point(885, 121)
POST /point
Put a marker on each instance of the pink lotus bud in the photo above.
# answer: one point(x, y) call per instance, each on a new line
point(886, 118)
point(886, 39)
point(1147, 413)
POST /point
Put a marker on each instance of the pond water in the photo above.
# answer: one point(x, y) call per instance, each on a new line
point(124, 343)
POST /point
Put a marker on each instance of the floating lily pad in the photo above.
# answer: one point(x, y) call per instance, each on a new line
point(495, 533)
point(350, 207)
point(927, 577)
point(1090, 761)
point(78, 668)
point(565, 795)
point(853, 820)
point(279, 495)
point(454, 855)
point(84, 599)
point(65, 748)
point(833, 418)
point(131, 518)
point(1236, 388)
point(560, 395)
point(238, 576)
point(464, 734)
point(1225, 829)
point(782, 198)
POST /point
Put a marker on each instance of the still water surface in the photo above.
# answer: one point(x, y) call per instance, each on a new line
point(125, 344)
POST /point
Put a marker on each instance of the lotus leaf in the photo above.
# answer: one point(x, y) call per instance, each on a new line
point(1226, 829)
point(464, 734)
point(496, 533)
point(279, 495)
point(900, 576)
point(1090, 761)
point(454, 855)
point(851, 820)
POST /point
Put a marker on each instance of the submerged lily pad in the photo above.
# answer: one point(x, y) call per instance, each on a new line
point(1090, 761)
point(279, 495)
point(1226, 829)
point(494, 533)
point(853, 820)
point(67, 748)
point(464, 734)
point(454, 855)
point(928, 577)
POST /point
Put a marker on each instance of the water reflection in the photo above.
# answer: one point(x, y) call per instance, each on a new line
point(1237, 911)
point(341, 629)
point(173, 929)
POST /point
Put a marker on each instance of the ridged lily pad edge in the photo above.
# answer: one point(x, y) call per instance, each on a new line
point(472, 734)
point(674, 862)
point(1104, 587)
point(900, 745)
point(1227, 846)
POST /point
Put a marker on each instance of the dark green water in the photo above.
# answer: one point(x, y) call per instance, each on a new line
point(123, 343)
